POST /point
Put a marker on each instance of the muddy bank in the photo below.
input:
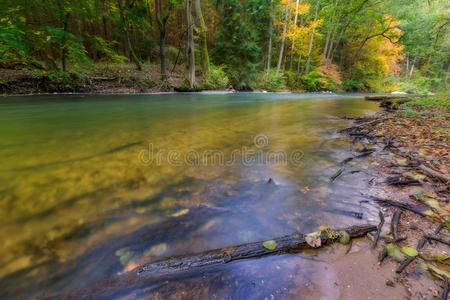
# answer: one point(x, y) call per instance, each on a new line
point(408, 146)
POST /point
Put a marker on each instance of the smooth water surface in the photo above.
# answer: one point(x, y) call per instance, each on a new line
point(93, 186)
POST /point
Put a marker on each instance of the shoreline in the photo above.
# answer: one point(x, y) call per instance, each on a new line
point(412, 192)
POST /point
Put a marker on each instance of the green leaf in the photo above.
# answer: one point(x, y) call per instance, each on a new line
point(344, 237)
point(394, 252)
point(270, 245)
point(410, 251)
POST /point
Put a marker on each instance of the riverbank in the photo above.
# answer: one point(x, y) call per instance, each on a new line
point(408, 147)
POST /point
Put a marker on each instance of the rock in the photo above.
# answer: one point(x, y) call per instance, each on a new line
point(390, 283)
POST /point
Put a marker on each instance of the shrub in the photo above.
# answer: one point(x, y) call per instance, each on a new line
point(354, 85)
point(293, 81)
point(105, 49)
point(270, 81)
point(215, 79)
point(325, 78)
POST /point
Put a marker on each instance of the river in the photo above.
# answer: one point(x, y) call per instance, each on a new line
point(93, 186)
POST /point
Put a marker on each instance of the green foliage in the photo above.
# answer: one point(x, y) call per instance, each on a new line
point(237, 46)
point(316, 81)
point(76, 53)
point(432, 102)
point(13, 48)
point(215, 79)
point(270, 81)
point(166, 86)
point(354, 85)
point(293, 80)
point(104, 48)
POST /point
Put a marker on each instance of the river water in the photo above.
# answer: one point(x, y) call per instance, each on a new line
point(93, 186)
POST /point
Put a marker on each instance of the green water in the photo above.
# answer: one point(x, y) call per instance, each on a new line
point(84, 177)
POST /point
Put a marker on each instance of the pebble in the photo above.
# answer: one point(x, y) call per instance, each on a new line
point(390, 283)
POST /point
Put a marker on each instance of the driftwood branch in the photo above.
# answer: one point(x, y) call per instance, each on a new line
point(401, 205)
point(287, 244)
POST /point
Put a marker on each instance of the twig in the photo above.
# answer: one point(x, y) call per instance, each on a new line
point(337, 174)
point(399, 205)
point(380, 226)
point(419, 247)
point(444, 294)
point(429, 237)
point(434, 173)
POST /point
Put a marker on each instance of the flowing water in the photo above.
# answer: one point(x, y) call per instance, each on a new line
point(93, 186)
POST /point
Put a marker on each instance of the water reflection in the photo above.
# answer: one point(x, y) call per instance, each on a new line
point(78, 206)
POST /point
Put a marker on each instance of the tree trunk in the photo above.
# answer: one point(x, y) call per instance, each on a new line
point(311, 41)
point(190, 54)
point(133, 55)
point(64, 46)
point(269, 51)
point(295, 24)
point(203, 37)
point(283, 37)
point(162, 22)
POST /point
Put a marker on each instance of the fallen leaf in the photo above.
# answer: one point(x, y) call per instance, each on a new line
point(409, 251)
point(313, 239)
point(323, 227)
point(344, 237)
point(394, 252)
point(180, 213)
point(270, 245)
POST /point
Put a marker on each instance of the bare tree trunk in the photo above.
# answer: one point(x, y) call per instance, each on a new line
point(203, 37)
point(311, 41)
point(295, 24)
point(283, 37)
point(190, 54)
point(411, 70)
point(269, 51)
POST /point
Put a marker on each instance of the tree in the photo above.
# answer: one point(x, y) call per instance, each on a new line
point(162, 17)
point(203, 37)
point(190, 51)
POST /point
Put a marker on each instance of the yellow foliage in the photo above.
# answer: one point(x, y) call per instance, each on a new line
point(304, 8)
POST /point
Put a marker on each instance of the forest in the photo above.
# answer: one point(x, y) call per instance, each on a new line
point(275, 45)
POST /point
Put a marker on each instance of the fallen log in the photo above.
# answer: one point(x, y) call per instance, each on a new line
point(286, 244)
